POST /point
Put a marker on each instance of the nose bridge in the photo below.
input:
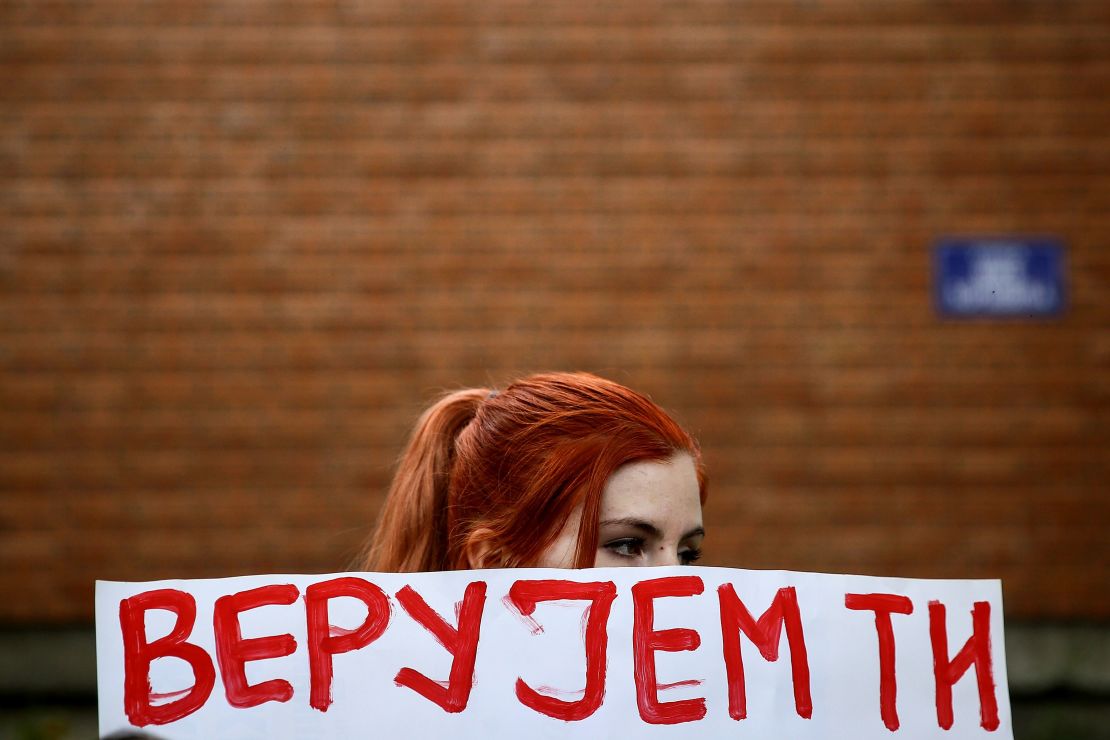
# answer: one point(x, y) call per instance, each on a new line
point(665, 554)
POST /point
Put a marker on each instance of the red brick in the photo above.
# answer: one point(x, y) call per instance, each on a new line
point(245, 242)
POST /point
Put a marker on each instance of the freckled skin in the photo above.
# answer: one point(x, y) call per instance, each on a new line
point(663, 495)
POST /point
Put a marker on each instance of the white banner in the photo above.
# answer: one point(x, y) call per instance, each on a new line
point(630, 652)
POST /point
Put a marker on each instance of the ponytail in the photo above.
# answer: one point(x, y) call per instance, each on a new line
point(490, 479)
point(411, 534)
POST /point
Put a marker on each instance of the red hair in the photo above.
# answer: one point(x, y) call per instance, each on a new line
point(506, 469)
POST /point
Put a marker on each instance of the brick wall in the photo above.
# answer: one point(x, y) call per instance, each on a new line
point(244, 242)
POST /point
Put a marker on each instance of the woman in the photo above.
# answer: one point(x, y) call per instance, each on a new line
point(558, 470)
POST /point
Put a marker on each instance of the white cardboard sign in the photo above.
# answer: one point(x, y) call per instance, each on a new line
point(634, 652)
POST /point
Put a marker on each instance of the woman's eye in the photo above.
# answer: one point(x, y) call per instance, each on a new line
point(689, 557)
point(629, 547)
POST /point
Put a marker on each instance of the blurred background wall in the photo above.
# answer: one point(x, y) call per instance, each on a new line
point(242, 243)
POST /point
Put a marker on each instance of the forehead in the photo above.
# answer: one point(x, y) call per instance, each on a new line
point(658, 492)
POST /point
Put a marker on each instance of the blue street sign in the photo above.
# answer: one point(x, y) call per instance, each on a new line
point(998, 276)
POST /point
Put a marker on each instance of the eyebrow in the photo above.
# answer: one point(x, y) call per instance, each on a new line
point(648, 528)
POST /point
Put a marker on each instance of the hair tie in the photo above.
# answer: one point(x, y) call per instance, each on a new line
point(491, 394)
